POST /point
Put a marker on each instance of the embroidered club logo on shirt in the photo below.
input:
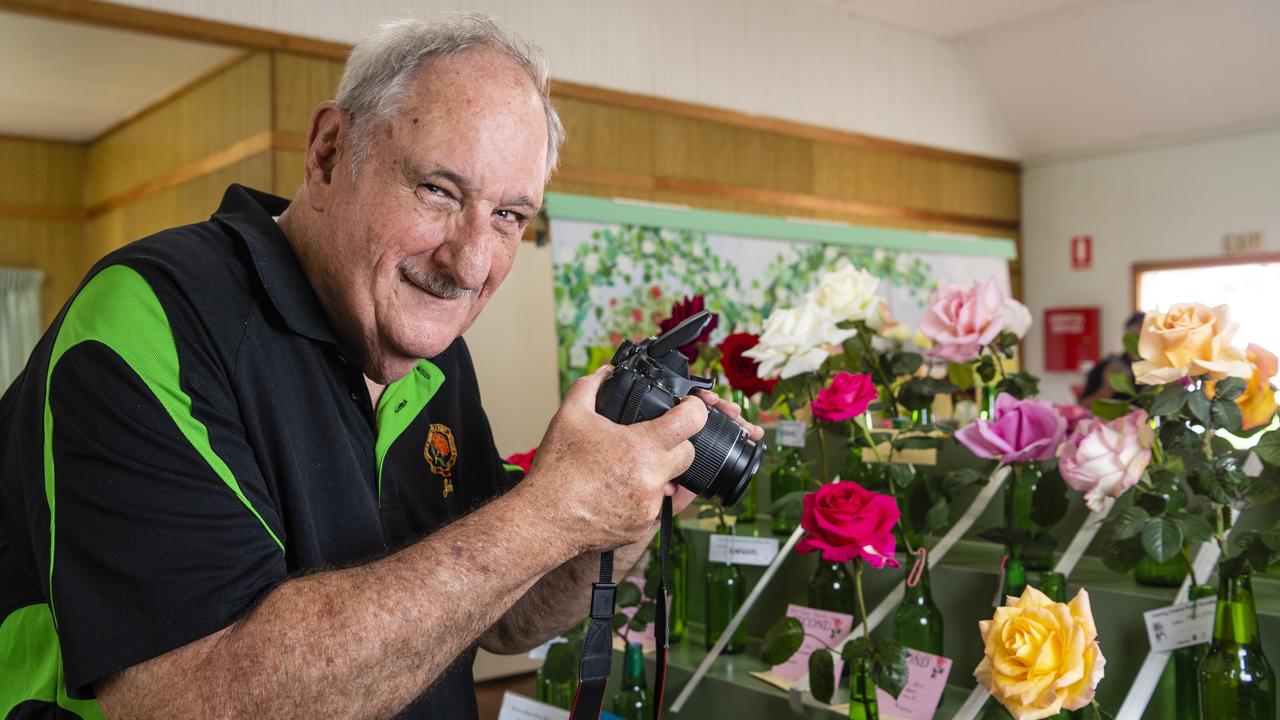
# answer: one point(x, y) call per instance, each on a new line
point(441, 453)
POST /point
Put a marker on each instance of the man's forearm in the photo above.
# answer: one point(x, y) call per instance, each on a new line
point(558, 601)
point(356, 643)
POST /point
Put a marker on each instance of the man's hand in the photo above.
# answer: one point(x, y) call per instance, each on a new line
point(603, 481)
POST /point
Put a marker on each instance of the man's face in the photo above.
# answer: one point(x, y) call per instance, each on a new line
point(428, 229)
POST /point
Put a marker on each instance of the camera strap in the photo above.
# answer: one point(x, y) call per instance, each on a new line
point(597, 644)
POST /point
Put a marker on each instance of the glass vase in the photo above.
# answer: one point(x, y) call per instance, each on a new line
point(1183, 693)
point(831, 587)
point(1236, 681)
point(1017, 518)
point(633, 701)
point(918, 621)
point(678, 581)
point(556, 681)
point(862, 693)
point(725, 592)
point(791, 475)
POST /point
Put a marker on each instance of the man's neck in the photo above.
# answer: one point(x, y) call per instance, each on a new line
point(375, 391)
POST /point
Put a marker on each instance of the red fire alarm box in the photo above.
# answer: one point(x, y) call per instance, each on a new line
point(1070, 338)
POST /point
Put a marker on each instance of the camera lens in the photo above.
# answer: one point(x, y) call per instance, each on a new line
point(724, 459)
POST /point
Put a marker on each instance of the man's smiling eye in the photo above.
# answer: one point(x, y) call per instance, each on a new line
point(434, 189)
point(510, 215)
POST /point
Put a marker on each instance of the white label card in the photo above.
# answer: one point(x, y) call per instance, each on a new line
point(742, 550)
point(790, 433)
point(519, 707)
point(540, 652)
point(1179, 626)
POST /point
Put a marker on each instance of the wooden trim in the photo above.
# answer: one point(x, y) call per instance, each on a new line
point(777, 198)
point(106, 14)
point(650, 103)
point(41, 212)
point(228, 156)
point(209, 73)
point(123, 17)
point(288, 140)
point(1138, 268)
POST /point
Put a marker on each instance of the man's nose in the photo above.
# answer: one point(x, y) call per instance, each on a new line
point(468, 249)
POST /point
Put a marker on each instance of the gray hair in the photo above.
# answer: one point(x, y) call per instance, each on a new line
point(381, 65)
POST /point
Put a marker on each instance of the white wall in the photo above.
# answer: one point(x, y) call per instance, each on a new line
point(1160, 203)
point(793, 59)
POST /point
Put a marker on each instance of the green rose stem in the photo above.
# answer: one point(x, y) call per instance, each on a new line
point(893, 489)
point(822, 438)
point(868, 708)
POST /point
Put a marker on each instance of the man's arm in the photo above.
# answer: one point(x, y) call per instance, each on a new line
point(365, 641)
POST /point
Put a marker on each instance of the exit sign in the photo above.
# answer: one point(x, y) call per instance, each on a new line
point(1238, 243)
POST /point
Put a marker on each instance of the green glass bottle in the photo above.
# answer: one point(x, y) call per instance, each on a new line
point(1015, 575)
point(1236, 681)
point(918, 621)
point(633, 701)
point(1184, 695)
point(831, 587)
point(862, 693)
point(747, 506)
point(1017, 517)
point(557, 679)
point(726, 591)
point(922, 417)
point(678, 564)
point(791, 475)
point(1054, 585)
point(1167, 495)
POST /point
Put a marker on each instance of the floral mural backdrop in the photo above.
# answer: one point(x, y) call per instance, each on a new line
point(616, 282)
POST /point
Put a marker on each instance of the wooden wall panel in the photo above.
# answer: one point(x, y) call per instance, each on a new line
point(52, 246)
point(189, 202)
point(207, 118)
point(287, 171)
point(41, 174)
point(299, 84)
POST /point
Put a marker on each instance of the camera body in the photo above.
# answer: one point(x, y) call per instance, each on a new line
point(650, 378)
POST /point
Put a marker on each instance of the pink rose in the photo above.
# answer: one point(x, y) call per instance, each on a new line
point(1074, 414)
point(843, 520)
point(960, 321)
point(846, 397)
point(1020, 430)
point(1102, 459)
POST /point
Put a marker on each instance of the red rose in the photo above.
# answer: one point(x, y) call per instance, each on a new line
point(843, 520)
point(846, 397)
point(686, 308)
point(741, 371)
point(523, 460)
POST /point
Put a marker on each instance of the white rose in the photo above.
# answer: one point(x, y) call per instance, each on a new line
point(625, 265)
point(597, 295)
point(714, 281)
point(794, 341)
point(577, 356)
point(566, 313)
point(878, 255)
point(697, 250)
point(591, 265)
point(678, 266)
point(880, 319)
point(829, 253)
point(1017, 318)
point(647, 247)
point(846, 293)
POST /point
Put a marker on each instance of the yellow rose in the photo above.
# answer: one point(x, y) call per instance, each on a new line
point(1041, 657)
point(1188, 340)
point(1258, 402)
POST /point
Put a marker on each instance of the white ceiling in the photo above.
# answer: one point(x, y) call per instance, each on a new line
point(70, 82)
point(1072, 77)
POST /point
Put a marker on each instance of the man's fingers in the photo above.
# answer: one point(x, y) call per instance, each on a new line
point(755, 432)
point(679, 423)
point(583, 391)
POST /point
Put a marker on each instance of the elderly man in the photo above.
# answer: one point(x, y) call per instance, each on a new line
point(220, 464)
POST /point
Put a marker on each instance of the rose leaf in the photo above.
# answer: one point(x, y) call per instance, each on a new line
point(822, 675)
point(1170, 400)
point(889, 670)
point(1198, 404)
point(1195, 528)
point(1268, 448)
point(1228, 388)
point(1128, 523)
point(628, 595)
point(1162, 539)
point(1109, 409)
point(782, 641)
point(1122, 383)
point(1226, 415)
point(1123, 556)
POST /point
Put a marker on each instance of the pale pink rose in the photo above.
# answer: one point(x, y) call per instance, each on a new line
point(960, 321)
point(1103, 459)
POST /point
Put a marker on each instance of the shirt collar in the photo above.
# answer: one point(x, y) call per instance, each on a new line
point(251, 214)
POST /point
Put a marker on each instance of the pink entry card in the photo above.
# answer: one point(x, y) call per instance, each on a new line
point(832, 627)
point(926, 679)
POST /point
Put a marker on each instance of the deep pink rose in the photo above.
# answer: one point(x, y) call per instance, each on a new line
point(846, 397)
point(1103, 459)
point(960, 321)
point(843, 520)
point(1074, 414)
point(523, 460)
point(1020, 430)
point(686, 308)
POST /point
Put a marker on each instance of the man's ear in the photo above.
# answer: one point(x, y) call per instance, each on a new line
point(326, 151)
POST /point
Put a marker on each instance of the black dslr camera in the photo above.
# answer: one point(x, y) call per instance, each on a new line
point(649, 379)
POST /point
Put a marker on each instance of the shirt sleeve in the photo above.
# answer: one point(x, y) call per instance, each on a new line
point(162, 529)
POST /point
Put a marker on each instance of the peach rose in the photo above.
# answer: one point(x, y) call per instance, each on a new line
point(1258, 402)
point(1188, 340)
point(1041, 657)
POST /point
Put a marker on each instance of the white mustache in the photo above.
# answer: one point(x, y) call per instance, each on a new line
point(437, 283)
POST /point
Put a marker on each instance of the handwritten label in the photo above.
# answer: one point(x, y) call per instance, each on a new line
point(1179, 626)
point(742, 550)
point(790, 433)
point(832, 627)
point(519, 707)
point(926, 681)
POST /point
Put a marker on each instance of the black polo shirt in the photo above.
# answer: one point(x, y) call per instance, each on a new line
point(188, 434)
